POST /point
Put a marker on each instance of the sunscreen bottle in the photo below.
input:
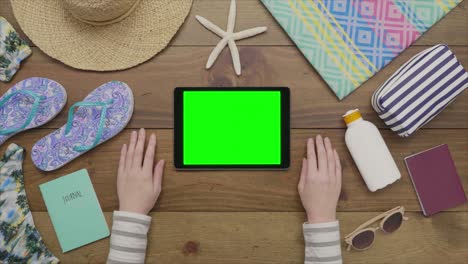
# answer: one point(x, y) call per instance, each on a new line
point(369, 152)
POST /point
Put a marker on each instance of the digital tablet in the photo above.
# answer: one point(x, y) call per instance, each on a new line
point(231, 128)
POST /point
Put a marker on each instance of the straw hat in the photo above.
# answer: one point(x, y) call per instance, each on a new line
point(101, 35)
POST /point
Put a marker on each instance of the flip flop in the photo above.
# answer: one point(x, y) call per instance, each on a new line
point(104, 113)
point(28, 104)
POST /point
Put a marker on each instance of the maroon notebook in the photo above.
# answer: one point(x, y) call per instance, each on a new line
point(435, 180)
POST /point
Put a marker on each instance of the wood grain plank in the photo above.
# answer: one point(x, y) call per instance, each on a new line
point(271, 238)
point(220, 211)
point(271, 191)
point(251, 13)
point(313, 103)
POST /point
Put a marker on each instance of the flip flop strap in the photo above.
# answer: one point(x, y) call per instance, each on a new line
point(105, 106)
point(37, 100)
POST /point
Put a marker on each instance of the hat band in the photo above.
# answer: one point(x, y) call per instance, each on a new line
point(108, 22)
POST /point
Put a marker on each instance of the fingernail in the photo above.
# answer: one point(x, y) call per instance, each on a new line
point(134, 133)
point(319, 137)
point(327, 139)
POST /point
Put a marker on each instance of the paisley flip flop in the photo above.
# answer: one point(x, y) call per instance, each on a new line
point(104, 113)
point(28, 104)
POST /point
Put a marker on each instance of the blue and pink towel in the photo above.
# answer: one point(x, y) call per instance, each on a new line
point(348, 41)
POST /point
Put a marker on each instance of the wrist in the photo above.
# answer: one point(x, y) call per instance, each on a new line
point(132, 210)
point(316, 219)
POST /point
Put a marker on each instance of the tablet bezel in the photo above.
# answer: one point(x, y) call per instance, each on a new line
point(178, 130)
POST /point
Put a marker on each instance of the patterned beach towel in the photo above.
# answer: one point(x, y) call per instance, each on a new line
point(348, 41)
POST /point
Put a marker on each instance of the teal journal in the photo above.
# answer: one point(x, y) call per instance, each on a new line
point(74, 210)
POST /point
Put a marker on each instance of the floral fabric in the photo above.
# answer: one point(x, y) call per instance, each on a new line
point(20, 242)
point(13, 50)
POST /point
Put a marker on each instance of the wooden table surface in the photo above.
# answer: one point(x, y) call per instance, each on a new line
point(255, 217)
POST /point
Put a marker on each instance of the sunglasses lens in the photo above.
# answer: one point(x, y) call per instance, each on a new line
point(363, 240)
point(393, 222)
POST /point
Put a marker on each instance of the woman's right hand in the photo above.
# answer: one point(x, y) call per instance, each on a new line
point(320, 182)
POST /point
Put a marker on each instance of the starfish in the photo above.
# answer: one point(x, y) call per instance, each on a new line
point(228, 37)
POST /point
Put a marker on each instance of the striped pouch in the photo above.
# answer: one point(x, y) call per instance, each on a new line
point(420, 89)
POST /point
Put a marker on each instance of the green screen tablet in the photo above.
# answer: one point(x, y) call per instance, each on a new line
point(231, 128)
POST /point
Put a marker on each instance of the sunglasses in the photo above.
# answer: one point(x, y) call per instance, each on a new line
point(363, 237)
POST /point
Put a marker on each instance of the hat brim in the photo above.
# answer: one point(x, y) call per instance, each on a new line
point(122, 45)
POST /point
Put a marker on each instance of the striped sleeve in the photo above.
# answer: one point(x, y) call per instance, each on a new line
point(129, 238)
point(322, 243)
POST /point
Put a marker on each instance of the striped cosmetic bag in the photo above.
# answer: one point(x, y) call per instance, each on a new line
point(420, 89)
